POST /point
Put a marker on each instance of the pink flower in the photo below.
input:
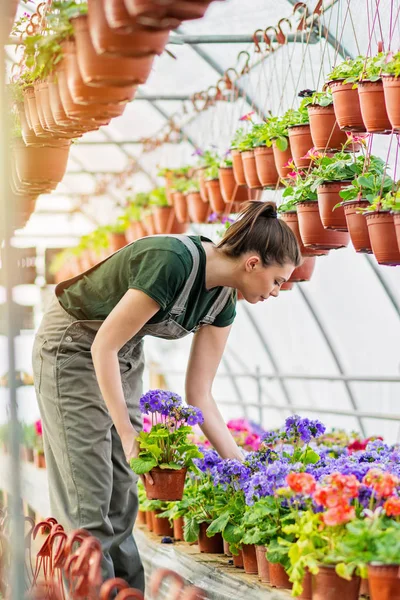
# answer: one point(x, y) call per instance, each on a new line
point(239, 425)
point(38, 427)
point(290, 164)
point(247, 117)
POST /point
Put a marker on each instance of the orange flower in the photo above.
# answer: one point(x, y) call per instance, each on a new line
point(301, 483)
point(392, 506)
point(383, 484)
point(343, 513)
point(346, 485)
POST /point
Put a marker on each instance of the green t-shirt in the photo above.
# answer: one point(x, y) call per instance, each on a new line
point(159, 267)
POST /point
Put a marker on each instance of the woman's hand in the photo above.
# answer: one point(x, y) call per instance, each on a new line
point(131, 448)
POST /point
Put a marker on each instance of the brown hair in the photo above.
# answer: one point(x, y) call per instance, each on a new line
point(258, 229)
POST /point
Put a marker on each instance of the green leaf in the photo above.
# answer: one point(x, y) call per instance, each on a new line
point(231, 535)
point(281, 143)
point(170, 465)
point(142, 465)
point(191, 530)
point(218, 525)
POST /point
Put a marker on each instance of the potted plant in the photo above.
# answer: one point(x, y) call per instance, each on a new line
point(342, 82)
point(325, 132)
point(179, 188)
point(116, 234)
point(264, 156)
point(395, 204)
point(246, 147)
point(38, 451)
point(381, 229)
point(237, 162)
point(391, 87)
point(135, 229)
point(198, 210)
point(279, 135)
point(164, 215)
point(298, 124)
point(206, 158)
point(372, 97)
point(165, 451)
point(211, 178)
point(288, 213)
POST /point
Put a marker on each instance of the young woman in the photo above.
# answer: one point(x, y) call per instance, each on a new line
point(88, 362)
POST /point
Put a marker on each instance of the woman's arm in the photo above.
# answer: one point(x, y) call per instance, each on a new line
point(205, 355)
point(128, 317)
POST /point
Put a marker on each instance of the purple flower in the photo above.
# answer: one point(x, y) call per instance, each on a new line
point(210, 459)
point(305, 429)
point(270, 437)
point(160, 401)
point(213, 218)
point(266, 481)
point(192, 415)
point(231, 472)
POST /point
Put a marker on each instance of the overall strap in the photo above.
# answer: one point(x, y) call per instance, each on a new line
point(181, 302)
point(219, 304)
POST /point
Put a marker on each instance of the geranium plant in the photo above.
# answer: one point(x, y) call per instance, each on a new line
point(349, 70)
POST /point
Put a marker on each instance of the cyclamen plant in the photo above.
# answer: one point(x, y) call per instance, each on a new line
point(166, 445)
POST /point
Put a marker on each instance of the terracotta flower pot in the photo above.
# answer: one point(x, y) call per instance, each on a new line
point(217, 202)
point(287, 286)
point(43, 164)
point(140, 230)
point(265, 165)
point(396, 220)
point(328, 198)
point(178, 529)
point(238, 560)
point(383, 238)
point(250, 170)
point(300, 143)
point(164, 217)
point(107, 41)
point(141, 517)
point(305, 271)
point(149, 520)
point(39, 459)
point(34, 114)
point(28, 135)
point(278, 577)
point(384, 582)
point(291, 219)
point(250, 559)
point(306, 594)
point(391, 89)
point(107, 70)
point(202, 183)
point(210, 545)
point(282, 158)
point(230, 190)
point(187, 10)
point(118, 17)
point(312, 231)
point(373, 107)
point(238, 170)
point(357, 225)
point(43, 93)
point(152, 14)
point(325, 132)
point(39, 109)
point(227, 552)
point(197, 209)
point(364, 588)
point(116, 241)
point(29, 455)
point(262, 564)
point(161, 526)
point(60, 116)
point(181, 207)
point(346, 103)
point(168, 484)
point(149, 224)
point(327, 585)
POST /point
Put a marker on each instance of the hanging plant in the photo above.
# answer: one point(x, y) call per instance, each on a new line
point(342, 81)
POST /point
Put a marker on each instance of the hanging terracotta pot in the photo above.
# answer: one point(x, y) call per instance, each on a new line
point(373, 107)
point(178, 529)
point(41, 165)
point(262, 564)
point(107, 41)
point(135, 231)
point(149, 520)
point(384, 582)
point(217, 202)
point(312, 231)
point(151, 14)
point(291, 219)
point(141, 518)
point(396, 220)
point(230, 190)
point(238, 560)
point(383, 238)
point(300, 143)
point(181, 207)
point(39, 109)
point(328, 198)
point(187, 10)
point(357, 225)
point(149, 224)
point(287, 286)
point(116, 241)
point(277, 575)
point(161, 525)
point(168, 484)
point(282, 158)
point(325, 132)
point(391, 89)
point(107, 70)
point(238, 170)
point(33, 112)
point(210, 545)
point(28, 135)
point(346, 103)
point(43, 94)
point(198, 210)
point(8, 17)
point(118, 17)
point(59, 114)
point(250, 170)
point(327, 585)
point(202, 183)
point(265, 164)
point(26, 106)
point(250, 559)
point(164, 217)
point(305, 271)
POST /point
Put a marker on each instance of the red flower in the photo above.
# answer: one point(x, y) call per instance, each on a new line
point(301, 483)
point(357, 445)
point(392, 506)
point(247, 117)
point(383, 484)
point(38, 428)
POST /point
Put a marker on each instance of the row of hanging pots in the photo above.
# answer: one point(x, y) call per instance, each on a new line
point(224, 193)
point(373, 106)
point(259, 168)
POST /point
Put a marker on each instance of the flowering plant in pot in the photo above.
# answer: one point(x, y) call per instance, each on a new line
point(342, 81)
point(390, 70)
point(298, 123)
point(325, 132)
point(371, 95)
point(165, 450)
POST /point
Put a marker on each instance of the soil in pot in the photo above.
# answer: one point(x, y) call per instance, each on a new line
point(238, 170)
point(396, 219)
point(291, 219)
point(384, 582)
point(282, 158)
point(383, 238)
point(178, 529)
point(312, 231)
point(328, 198)
point(305, 271)
point(325, 132)
point(373, 107)
point(300, 143)
point(250, 170)
point(346, 103)
point(250, 559)
point(181, 207)
point(210, 545)
point(168, 484)
point(164, 217)
point(238, 560)
point(217, 202)
point(357, 226)
point(278, 577)
point(198, 210)
point(262, 564)
point(391, 89)
point(161, 526)
point(327, 585)
point(265, 165)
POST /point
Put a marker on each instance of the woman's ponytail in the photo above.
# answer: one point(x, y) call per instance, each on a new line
point(258, 229)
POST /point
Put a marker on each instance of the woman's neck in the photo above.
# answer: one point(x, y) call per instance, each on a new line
point(221, 271)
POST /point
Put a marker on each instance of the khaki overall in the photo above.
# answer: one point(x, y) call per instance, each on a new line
point(91, 485)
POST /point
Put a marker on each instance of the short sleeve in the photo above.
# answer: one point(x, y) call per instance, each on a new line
point(159, 273)
point(228, 314)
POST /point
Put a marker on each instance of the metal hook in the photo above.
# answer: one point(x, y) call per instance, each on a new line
point(267, 39)
point(302, 8)
point(318, 9)
point(256, 40)
point(246, 67)
point(110, 585)
point(228, 81)
point(280, 36)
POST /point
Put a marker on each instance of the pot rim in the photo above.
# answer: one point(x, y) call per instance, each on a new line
point(376, 563)
point(348, 202)
point(339, 181)
point(319, 106)
point(298, 125)
point(377, 212)
point(369, 81)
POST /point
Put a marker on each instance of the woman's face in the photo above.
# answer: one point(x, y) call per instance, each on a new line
point(257, 283)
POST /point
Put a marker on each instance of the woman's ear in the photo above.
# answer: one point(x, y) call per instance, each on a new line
point(252, 262)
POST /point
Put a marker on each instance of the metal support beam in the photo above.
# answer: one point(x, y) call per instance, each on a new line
point(331, 348)
point(193, 40)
